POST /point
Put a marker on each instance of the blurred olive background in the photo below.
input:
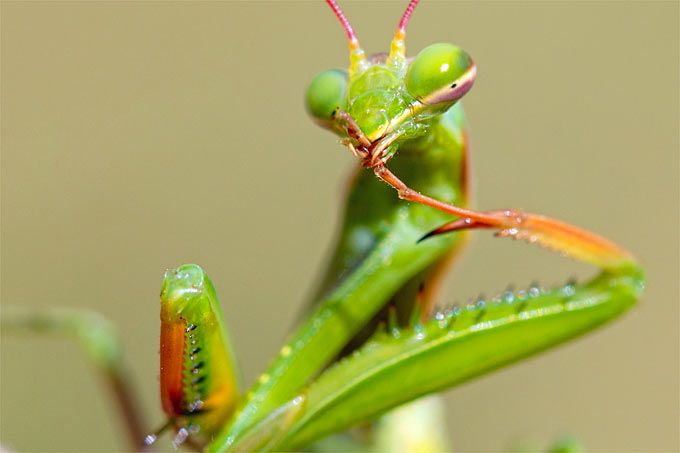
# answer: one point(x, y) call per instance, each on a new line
point(138, 136)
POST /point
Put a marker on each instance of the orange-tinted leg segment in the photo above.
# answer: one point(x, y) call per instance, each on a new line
point(554, 234)
point(547, 232)
point(408, 194)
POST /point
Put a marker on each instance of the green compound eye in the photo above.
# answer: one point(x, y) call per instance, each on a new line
point(327, 91)
point(440, 73)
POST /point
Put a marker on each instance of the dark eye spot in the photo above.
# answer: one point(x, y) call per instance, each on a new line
point(453, 86)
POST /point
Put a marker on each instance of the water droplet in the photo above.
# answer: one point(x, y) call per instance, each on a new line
point(441, 318)
point(420, 332)
point(285, 351)
point(508, 297)
point(150, 439)
point(534, 291)
point(569, 290)
point(264, 379)
point(180, 437)
point(522, 295)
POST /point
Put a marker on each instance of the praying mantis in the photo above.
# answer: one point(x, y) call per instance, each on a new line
point(389, 251)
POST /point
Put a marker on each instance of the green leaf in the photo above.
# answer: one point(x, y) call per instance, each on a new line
point(455, 346)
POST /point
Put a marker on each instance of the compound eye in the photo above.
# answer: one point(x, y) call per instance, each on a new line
point(327, 92)
point(440, 73)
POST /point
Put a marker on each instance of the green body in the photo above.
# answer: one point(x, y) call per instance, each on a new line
point(379, 260)
point(378, 255)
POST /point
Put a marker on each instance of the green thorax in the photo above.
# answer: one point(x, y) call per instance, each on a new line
point(435, 164)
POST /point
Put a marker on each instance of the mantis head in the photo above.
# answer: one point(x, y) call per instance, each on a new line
point(388, 98)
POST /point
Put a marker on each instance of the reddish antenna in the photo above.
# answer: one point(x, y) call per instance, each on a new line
point(407, 15)
point(353, 41)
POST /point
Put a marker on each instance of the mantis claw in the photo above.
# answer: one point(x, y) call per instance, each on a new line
point(547, 232)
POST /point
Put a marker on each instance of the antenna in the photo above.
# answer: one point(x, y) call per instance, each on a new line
point(353, 41)
point(357, 57)
point(407, 15)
